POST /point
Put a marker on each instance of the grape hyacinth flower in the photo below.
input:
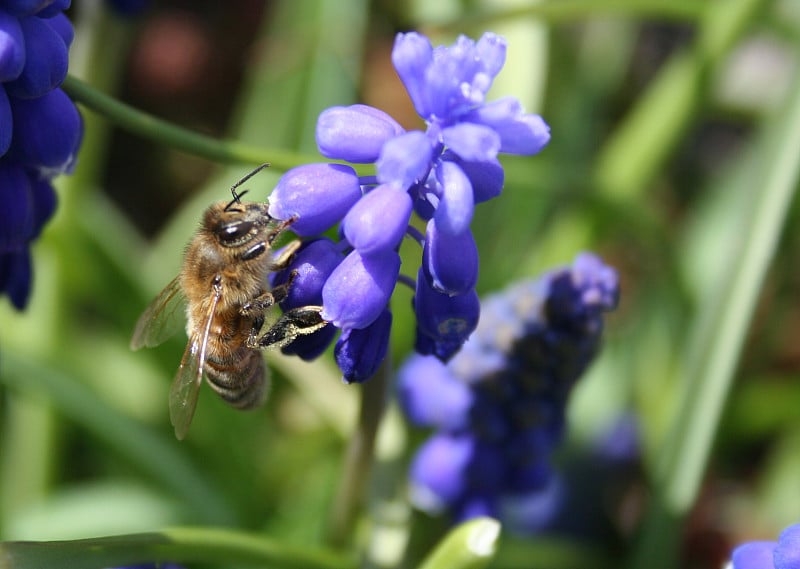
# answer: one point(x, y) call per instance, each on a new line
point(498, 406)
point(440, 173)
point(781, 554)
point(40, 130)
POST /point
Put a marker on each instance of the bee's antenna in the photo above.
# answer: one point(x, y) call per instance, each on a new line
point(238, 196)
point(243, 180)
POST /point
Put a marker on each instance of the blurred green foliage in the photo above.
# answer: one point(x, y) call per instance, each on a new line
point(674, 155)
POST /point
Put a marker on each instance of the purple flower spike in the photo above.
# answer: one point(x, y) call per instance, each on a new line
point(439, 173)
point(359, 289)
point(450, 261)
point(379, 220)
point(318, 194)
point(359, 353)
point(45, 67)
point(40, 130)
point(499, 404)
point(355, 133)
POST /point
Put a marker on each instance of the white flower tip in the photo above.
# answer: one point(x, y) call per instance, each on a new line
point(483, 537)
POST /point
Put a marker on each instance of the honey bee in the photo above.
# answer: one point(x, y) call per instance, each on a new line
point(224, 290)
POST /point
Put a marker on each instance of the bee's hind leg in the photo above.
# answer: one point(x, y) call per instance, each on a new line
point(295, 322)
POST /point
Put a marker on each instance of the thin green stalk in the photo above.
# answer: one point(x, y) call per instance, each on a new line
point(164, 132)
point(562, 11)
point(354, 480)
point(101, 45)
point(720, 335)
point(179, 545)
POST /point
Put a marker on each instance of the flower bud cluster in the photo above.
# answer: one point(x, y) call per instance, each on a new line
point(440, 174)
point(40, 130)
point(498, 406)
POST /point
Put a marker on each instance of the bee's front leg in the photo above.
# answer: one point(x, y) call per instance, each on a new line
point(295, 322)
point(269, 298)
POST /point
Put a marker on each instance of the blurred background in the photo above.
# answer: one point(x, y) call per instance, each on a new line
point(671, 157)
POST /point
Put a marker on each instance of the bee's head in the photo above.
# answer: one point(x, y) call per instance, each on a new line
point(236, 223)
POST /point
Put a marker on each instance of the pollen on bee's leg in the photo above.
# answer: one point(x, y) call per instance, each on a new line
point(295, 322)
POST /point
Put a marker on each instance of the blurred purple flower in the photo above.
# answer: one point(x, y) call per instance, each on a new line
point(440, 173)
point(498, 405)
point(40, 130)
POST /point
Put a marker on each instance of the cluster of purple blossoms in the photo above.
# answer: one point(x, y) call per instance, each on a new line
point(498, 406)
point(40, 130)
point(441, 174)
point(781, 554)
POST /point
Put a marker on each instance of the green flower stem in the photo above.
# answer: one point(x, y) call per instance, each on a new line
point(469, 546)
point(354, 481)
point(179, 545)
point(164, 132)
point(560, 11)
point(721, 331)
point(101, 45)
point(642, 144)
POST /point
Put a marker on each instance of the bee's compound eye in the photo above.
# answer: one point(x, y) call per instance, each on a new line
point(234, 233)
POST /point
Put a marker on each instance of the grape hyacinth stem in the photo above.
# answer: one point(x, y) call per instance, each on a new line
point(354, 480)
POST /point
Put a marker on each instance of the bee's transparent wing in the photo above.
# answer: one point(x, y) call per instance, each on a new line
point(186, 387)
point(162, 318)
